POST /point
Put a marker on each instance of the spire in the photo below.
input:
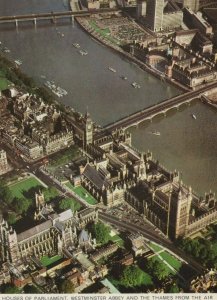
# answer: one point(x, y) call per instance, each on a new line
point(180, 194)
point(87, 115)
point(180, 190)
point(190, 190)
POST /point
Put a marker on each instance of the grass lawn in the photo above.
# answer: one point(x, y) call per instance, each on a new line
point(174, 262)
point(64, 157)
point(104, 32)
point(18, 189)
point(46, 261)
point(4, 83)
point(80, 191)
point(117, 239)
point(155, 247)
point(70, 186)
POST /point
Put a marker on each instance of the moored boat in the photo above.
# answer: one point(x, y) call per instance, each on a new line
point(156, 132)
point(112, 69)
point(83, 52)
point(76, 45)
point(135, 85)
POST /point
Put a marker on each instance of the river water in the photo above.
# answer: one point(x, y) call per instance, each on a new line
point(185, 144)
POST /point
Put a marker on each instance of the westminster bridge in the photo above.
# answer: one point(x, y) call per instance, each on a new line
point(150, 112)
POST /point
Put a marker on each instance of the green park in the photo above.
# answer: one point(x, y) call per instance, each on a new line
point(171, 263)
point(83, 193)
point(47, 261)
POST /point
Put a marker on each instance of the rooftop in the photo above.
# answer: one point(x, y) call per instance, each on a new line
point(38, 229)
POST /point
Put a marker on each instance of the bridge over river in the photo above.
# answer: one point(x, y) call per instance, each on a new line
point(161, 108)
point(53, 16)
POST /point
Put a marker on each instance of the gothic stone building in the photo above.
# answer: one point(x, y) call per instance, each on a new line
point(51, 236)
point(170, 205)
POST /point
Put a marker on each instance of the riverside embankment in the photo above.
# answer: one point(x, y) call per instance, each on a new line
point(82, 21)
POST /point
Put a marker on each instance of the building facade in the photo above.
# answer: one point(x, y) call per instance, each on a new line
point(154, 14)
point(193, 4)
point(4, 167)
point(53, 234)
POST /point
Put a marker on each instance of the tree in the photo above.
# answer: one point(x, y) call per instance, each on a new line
point(157, 269)
point(173, 288)
point(66, 287)
point(50, 193)
point(101, 232)
point(132, 276)
point(68, 203)
point(11, 289)
point(21, 205)
point(11, 218)
point(31, 289)
point(5, 193)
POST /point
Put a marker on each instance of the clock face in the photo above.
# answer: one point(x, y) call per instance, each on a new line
point(89, 127)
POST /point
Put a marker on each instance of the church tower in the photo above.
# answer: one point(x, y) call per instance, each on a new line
point(88, 134)
point(13, 249)
point(39, 200)
point(179, 211)
point(192, 4)
point(142, 168)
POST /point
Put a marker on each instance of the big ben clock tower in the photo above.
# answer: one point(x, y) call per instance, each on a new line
point(88, 138)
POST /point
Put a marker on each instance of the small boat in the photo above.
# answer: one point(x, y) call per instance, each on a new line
point(76, 45)
point(60, 92)
point(124, 77)
point(135, 85)
point(112, 69)
point(18, 62)
point(155, 132)
point(6, 50)
point(83, 52)
point(194, 116)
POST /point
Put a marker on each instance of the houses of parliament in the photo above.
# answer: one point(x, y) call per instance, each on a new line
point(116, 172)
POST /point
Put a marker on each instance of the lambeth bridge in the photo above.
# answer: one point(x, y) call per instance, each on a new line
point(53, 16)
point(161, 108)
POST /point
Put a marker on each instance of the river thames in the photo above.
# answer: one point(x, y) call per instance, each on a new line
point(185, 144)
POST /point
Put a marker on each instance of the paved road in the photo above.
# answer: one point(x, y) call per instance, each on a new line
point(53, 182)
point(152, 236)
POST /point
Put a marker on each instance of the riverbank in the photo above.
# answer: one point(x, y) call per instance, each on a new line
point(83, 24)
point(210, 100)
point(15, 77)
